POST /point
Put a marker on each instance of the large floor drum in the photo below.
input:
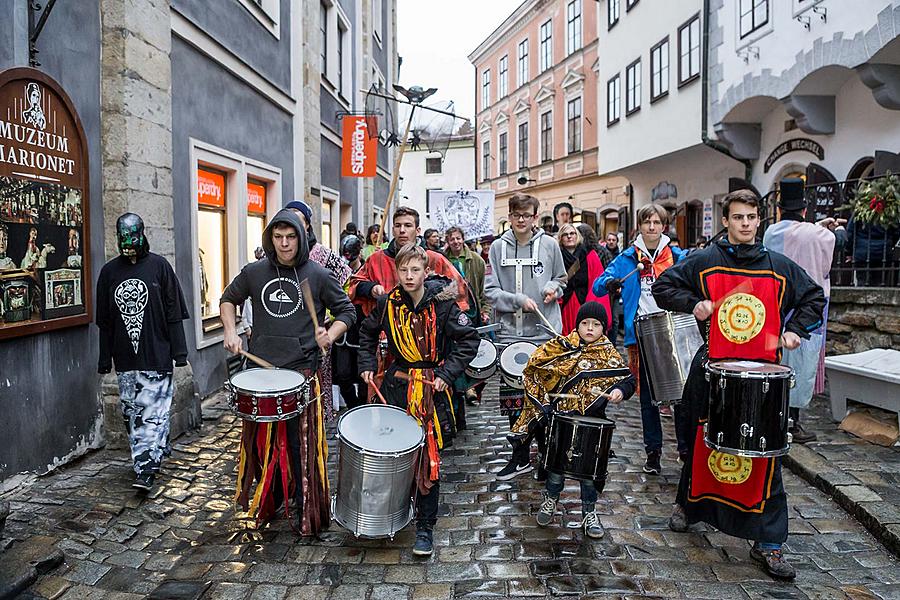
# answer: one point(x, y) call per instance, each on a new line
point(379, 453)
point(668, 342)
point(578, 447)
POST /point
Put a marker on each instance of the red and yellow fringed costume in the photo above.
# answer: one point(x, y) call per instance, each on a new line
point(276, 458)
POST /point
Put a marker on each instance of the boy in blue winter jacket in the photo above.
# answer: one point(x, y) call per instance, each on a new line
point(651, 250)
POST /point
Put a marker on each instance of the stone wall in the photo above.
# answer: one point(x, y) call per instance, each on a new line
point(860, 319)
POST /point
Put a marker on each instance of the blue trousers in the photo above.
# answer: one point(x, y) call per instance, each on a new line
point(557, 481)
point(651, 425)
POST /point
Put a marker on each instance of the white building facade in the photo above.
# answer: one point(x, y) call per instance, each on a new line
point(807, 88)
point(650, 113)
point(422, 171)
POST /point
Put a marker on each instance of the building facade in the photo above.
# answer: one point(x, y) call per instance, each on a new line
point(536, 95)
point(423, 171)
point(197, 117)
point(650, 113)
point(806, 88)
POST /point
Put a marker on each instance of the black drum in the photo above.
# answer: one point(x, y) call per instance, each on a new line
point(748, 408)
point(578, 446)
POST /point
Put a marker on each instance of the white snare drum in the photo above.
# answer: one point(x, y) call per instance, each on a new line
point(484, 365)
point(379, 453)
point(512, 363)
point(267, 395)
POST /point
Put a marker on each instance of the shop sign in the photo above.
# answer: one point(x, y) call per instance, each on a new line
point(707, 218)
point(256, 198)
point(44, 206)
point(794, 145)
point(360, 150)
point(210, 188)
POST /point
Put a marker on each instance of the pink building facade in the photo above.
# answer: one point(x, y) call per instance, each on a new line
point(536, 88)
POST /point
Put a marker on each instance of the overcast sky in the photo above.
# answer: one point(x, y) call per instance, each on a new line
point(435, 39)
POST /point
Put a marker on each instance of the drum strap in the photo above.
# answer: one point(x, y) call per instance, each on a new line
point(518, 263)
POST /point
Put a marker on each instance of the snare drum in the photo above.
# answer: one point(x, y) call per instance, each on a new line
point(513, 359)
point(748, 408)
point(667, 342)
point(267, 395)
point(578, 447)
point(484, 365)
point(379, 453)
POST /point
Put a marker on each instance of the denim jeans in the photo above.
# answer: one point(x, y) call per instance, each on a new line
point(427, 507)
point(557, 481)
point(650, 422)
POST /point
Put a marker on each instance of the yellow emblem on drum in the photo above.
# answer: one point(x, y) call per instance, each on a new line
point(729, 468)
point(741, 317)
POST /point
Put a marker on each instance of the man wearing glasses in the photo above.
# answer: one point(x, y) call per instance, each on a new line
point(527, 275)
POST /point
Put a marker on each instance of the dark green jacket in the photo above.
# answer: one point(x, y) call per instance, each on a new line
point(474, 274)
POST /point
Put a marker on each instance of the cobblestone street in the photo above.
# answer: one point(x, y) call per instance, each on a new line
point(184, 542)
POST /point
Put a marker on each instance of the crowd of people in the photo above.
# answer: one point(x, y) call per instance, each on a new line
point(398, 320)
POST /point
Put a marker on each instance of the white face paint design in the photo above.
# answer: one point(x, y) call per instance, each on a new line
point(131, 299)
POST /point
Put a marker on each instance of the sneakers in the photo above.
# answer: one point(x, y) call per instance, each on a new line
point(548, 509)
point(144, 481)
point(773, 562)
point(424, 545)
point(801, 436)
point(678, 521)
point(652, 465)
point(513, 469)
point(592, 527)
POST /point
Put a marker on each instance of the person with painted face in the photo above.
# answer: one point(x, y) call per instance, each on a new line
point(140, 307)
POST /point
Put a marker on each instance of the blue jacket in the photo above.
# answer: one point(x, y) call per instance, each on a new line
point(624, 264)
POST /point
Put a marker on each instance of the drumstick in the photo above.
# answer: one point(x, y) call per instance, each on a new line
point(639, 267)
point(377, 392)
point(576, 396)
point(549, 326)
point(308, 301)
point(260, 361)
point(406, 377)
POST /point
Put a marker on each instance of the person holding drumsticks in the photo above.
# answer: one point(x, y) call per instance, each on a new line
point(744, 292)
point(589, 367)
point(632, 274)
point(430, 342)
point(286, 333)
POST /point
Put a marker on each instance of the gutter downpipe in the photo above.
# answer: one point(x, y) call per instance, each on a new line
point(704, 115)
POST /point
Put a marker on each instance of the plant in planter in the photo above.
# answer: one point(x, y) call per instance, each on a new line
point(877, 201)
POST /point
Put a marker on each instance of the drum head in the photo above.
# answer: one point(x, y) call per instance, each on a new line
point(487, 355)
point(515, 356)
point(267, 381)
point(585, 420)
point(750, 367)
point(380, 428)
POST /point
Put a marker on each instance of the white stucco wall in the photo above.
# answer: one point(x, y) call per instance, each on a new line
point(458, 172)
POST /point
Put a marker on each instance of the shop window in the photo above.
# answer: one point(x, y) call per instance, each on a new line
point(256, 215)
point(211, 234)
point(327, 227)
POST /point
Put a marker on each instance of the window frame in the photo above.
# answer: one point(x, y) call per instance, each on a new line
point(577, 131)
point(485, 159)
point(503, 76)
point(633, 90)
point(267, 12)
point(629, 4)
point(656, 94)
point(614, 6)
point(545, 46)
point(546, 136)
point(522, 70)
point(614, 101)
point(323, 30)
point(430, 160)
point(502, 153)
point(485, 88)
point(682, 80)
point(754, 4)
point(574, 27)
point(522, 164)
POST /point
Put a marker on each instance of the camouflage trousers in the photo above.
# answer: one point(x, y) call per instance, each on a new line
point(146, 397)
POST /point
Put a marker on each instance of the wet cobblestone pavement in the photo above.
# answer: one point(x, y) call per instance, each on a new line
point(182, 541)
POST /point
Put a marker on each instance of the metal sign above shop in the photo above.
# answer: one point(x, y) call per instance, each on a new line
point(44, 202)
point(359, 149)
point(794, 145)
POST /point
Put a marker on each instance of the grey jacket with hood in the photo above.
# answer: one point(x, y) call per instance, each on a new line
point(283, 331)
point(549, 274)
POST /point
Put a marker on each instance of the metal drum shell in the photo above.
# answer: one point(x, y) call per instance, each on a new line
point(374, 493)
point(667, 343)
point(591, 464)
point(748, 413)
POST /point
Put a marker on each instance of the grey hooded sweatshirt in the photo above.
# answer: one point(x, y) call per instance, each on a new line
point(283, 331)
point(548, 274)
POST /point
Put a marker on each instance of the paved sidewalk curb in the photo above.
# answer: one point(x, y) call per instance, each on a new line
point(880, 517)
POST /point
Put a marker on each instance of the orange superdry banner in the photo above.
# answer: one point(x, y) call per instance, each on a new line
point(360, 151)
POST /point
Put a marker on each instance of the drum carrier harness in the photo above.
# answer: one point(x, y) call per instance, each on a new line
point(518, 263)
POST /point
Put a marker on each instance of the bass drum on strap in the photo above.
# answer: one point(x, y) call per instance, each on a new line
point(578, 447)
point(667, 342)
point(748, 408)
point(379, 449)
point(513, 359)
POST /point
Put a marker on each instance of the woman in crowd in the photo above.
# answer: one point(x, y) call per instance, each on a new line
point(583, 266)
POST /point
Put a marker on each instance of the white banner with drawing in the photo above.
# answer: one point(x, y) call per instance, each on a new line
point(471, 210)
